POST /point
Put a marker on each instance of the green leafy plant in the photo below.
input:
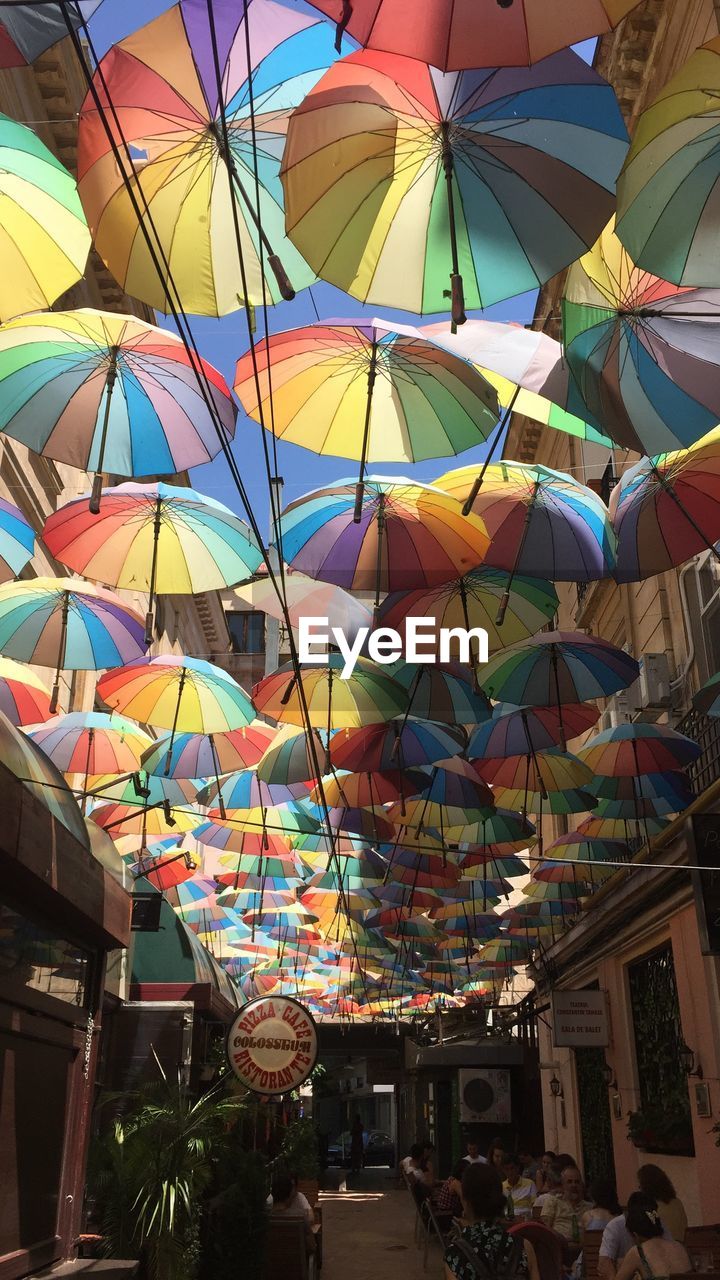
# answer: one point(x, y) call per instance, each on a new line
point(299, 1150)
point(236, 1220)
point(659, 1128)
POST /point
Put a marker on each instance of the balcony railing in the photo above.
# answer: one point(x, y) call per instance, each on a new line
point(705, 730)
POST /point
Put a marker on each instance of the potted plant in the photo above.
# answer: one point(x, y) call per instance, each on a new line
point(299, 1155)
point(659, 1128)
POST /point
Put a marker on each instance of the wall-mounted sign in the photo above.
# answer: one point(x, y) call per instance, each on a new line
point(272, 1045)
point(579, 1018)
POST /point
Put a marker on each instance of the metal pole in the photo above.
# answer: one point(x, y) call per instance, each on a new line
point(272, 625)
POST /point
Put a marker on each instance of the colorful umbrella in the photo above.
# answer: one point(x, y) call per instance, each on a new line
point(400, 180)
point(368, 390)
point(707, 699)
point(568, 800)
point(409, 535)
point(538, 771)
point(645, 354)
point(166, 870)
point(24, 698)
point(398, 744)
point(108, 392)
point(17, 539)
point(28, 30)
point(67, 624)
point(177, 693)
point(44, 239)
point(495, 827)
point(450, 36)
point(667, 792)
point(629, 750)
point(371, 790)
point(156, 538)
point(137, 819)
point(541, 522)
point(365, 697)
point(219, 839)
point(304, 598)
point(91, 743)
point(145, 790)
point(515, 731)
point(579, 846)
point(29, 764)
point(194, 157)
point(440, 691)
point(667, 191)
point(289, 759)
point(199, 755)
point(244, 790)
point(477, 600)
point(667, 510)
point(601, 827)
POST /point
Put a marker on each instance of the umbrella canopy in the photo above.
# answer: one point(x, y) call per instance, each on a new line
point(371, 789)
point(289, 759)
point(305, 598)
point(158, 91)
point(220, 840)
point(17, 540)
point(579, 846)
point(517, 731)
point(601, 827)
point(707, 699)
point(156, 538)
point(177, 693)
point(33, 768)
point(449, 36)
point(107, 392)
point(408, 535)
point(667, 510)
point(440, 691)
point(24, 698)
point(44, 239)
point(199, 755)
point(544, 771)
point(667, 792)
point(369, 390)
point(398, 744)
point(667, 191)
point(495, 827)
point(386, 157)
point(632, 749)
point(567, 800)
point(541, 522)
point(644, 354)
point(165, 870)
point(365, 697)
point(244, 790)
point(67, 624)
point(92, 743)
point(28, 30)
point(136, 819)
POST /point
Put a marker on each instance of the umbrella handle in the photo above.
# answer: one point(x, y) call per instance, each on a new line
point(98, 478)
point(287, 293)
point(340, 28)
point(457, 296)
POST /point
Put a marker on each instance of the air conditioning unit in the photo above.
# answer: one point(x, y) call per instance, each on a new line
point(484, 1095)
point(620, 709)
point(654, 682)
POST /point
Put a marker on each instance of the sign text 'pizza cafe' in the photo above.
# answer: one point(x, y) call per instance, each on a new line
point(272, 1045)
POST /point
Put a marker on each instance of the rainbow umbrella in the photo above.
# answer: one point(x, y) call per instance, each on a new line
point(256, 876)
point(404, 743)
point(538, 771)
point(91, 743)
point(404, 535)
point(400, 180)
point(368, 390)
point(166, 870)
point(455, 782)
point(143, 820)
point(365, 697)
point(316, 850)
point(569, 800)
point(177, 693)
point(156, 538)
point(305, 598)
point(44, 239)
point(667, 191)
point(67, 624)
point(465, 921)
point(108, 392)
point(707, 699)
point(28, 30)
point(145, 790)
point(667, 792)
point(605, 828)
point(199, 755)
point(549, 891)
point(218, 841)
point(450, 36)
point(579, 846)
point(501, 865)
point(476, 600)
point(517, 731)
point(440, 691)
point(629, 750)
point(363, 869)
point(497, 826)
point(357, 820)
point(196, 132)
point(541, 523)
point(288, 758)
point(244, 790)
point(667, 509)
point(29, 764)
point(17, 539)
point(286, 820)
point(24, 698)
point(503, 953)
point(644, 353)
point(560, 872)
point(371, 790)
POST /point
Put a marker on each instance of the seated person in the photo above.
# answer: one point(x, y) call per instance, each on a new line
point(288, 1202)
point(616, 1243)
point(551, 1187)
point(651, 1254)
point(485, 1235)
point(564, 1212)
point(472, 1155)
point(519, 1192)
point(605, 1207)
point(416, 1167)
point(655, 1183)
point(448, 1202)
point(547, 1160)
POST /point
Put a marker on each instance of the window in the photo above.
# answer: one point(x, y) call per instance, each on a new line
point(708, 584)
point(247, 632)
point(38, 958)
point(664, 1095)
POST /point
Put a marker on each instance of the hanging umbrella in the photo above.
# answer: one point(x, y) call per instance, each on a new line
point(177, 693)
point(219, 840)
point(644, 353)
point(244, 790)
point(559, 667)
point(29, 764)
point(504, 952)
point(400, 743)
point(547, 891)
point(199, 755)
point(568, 800)
point(559, 872)
point(306, 598)
point(288, 758)
point(145, 790)
point(440, 691)
point(67, 624)
point(477, 600)
point(667, 191)
point(91, 743)
point(666, 792)
point(193, 156)
point(368, 390)
point(370, 790)
point(455, 782)
point(386, 157)
point(371, 825)
point(629, 750)
point(24, 698)
point(497, 826)
point(538, 771)
point(707, 699)
point(541, 523)
point(489, 859)
point(450, 36)
point(108, 392)
point(579, 846)
point(136, 819)
point(28, 30)
point(44, 239)
point(166, 870)
point(286, 820)
point(602, 827)
point(366, 696)
point(156, 538)
point(667, 509)
point(515, 731)
point(17, 539)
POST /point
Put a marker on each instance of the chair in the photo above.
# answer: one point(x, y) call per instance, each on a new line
point(703, 1245)
point(591, 1241)
point(548, 1247)
point(432, 1228)
point(286, 1255)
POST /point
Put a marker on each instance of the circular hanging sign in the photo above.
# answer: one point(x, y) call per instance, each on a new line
point(272, 1044)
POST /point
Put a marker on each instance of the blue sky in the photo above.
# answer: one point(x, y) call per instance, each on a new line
point(223, 341)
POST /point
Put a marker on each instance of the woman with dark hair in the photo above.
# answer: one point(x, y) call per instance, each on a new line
point(652, 1254)
point(485, 1237)
point(655, 1183)
point(605, 1205)
point(496, 1154)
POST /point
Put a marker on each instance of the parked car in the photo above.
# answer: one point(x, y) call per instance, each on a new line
point(379, 1149)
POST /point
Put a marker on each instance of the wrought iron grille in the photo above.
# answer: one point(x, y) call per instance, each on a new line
point(595, 1125)
point(705, 730)
point(665, 1100)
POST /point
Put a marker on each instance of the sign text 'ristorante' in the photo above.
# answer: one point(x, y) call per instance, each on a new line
point(272, 1045)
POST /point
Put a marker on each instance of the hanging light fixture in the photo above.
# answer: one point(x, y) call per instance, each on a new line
point(556, 1088)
